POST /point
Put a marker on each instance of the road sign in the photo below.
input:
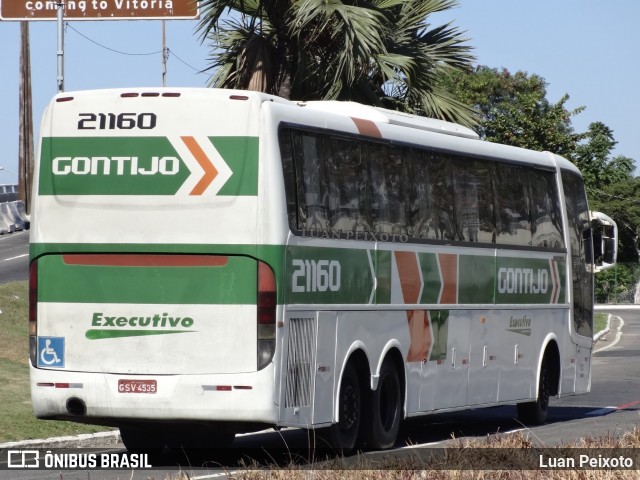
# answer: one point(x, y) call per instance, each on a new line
point(99, 9)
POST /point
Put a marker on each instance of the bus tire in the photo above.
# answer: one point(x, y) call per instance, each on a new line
point(343, 435)
point(386, 408)
point(537, 412)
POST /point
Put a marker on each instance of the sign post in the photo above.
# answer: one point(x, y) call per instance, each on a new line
point(99, 9)
point(60, 18)
point(27, 10)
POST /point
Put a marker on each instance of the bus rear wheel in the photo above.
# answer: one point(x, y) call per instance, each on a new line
point(344, 434)
point(537, 412)
point(386, 408)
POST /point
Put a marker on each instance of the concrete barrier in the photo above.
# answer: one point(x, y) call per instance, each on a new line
point(17, 208)
point(7, 224)
point(11, 216)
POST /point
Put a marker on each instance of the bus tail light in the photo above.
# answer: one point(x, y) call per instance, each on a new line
point(33, 312)
point(266, 320)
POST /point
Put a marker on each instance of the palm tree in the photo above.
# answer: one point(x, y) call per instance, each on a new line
point(378, 52)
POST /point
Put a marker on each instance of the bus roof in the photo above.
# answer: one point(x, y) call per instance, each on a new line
point(467, 139)
point(392, 117)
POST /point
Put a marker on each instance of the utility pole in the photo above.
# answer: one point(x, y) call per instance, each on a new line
point(60, 18)
point(164, 54)
point(25, 133)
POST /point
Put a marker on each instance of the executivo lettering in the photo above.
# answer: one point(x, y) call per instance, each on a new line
point(520, 325)
point(121, 326)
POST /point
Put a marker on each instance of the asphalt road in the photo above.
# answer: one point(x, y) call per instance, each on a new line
point(14, 256)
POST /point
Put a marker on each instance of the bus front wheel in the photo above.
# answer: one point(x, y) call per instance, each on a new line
point(537, 412)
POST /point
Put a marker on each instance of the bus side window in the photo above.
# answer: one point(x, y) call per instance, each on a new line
point(581, 251)
point(546, 219)
point(378, 155)
point(397, 180)
point(348, 204)
point(289, 173)
point(443, 214)
point(311, 181)
point(474, 201)
point(389, 188)
point(420, 190)
point(514, 218)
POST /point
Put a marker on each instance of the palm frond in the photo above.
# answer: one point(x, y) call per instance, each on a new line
point(211, 12)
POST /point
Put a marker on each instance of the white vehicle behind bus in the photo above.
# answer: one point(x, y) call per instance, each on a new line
point(208, 262)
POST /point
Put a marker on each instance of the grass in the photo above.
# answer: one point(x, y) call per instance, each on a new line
point(599, 321)
point(510, 456)
point(17, 421)
point(472, 459)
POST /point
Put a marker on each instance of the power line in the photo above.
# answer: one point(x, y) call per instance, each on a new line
point(197, 70)
point(615, 197)
point(109, 48)
point(169, 51)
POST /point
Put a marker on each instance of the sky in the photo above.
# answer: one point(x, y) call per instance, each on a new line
point(584, 48)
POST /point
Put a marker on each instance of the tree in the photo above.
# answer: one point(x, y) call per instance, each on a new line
point(513, 109)
point(593, 158)
point(379, 52)
point(611, 186)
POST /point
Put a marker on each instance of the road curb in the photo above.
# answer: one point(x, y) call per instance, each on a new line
point(100, 439)
point(601, 333)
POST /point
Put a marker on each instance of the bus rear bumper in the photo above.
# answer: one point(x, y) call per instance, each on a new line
point(104, 398)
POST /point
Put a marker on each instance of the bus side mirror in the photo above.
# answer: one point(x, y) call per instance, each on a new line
point(605, 241)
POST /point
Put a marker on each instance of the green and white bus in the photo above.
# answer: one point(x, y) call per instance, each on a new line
point(208, 262)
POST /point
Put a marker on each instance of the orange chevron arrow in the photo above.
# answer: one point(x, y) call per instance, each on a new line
point(210, 172)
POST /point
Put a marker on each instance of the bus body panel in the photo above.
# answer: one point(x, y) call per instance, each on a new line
point(138, 207)
point(213, 398)
point(156, 211)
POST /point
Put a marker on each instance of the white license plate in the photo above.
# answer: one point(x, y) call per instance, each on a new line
point(137, 386)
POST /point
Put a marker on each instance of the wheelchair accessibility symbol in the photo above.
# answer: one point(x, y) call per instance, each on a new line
point(51, 352)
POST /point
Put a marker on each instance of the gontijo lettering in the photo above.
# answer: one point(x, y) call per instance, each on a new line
point(523, 280)
point(115, 166)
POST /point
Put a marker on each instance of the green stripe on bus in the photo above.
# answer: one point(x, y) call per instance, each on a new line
point(383, 276)
point(328, 275)
point(105, 166)
point(233, 283)
point(241, 154)
point(483, 279)
point(476, 281)
point(430, 277)
point(102, 334)
point(141, 166)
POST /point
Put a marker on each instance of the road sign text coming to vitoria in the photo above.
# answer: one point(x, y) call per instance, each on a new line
point(207, 262)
